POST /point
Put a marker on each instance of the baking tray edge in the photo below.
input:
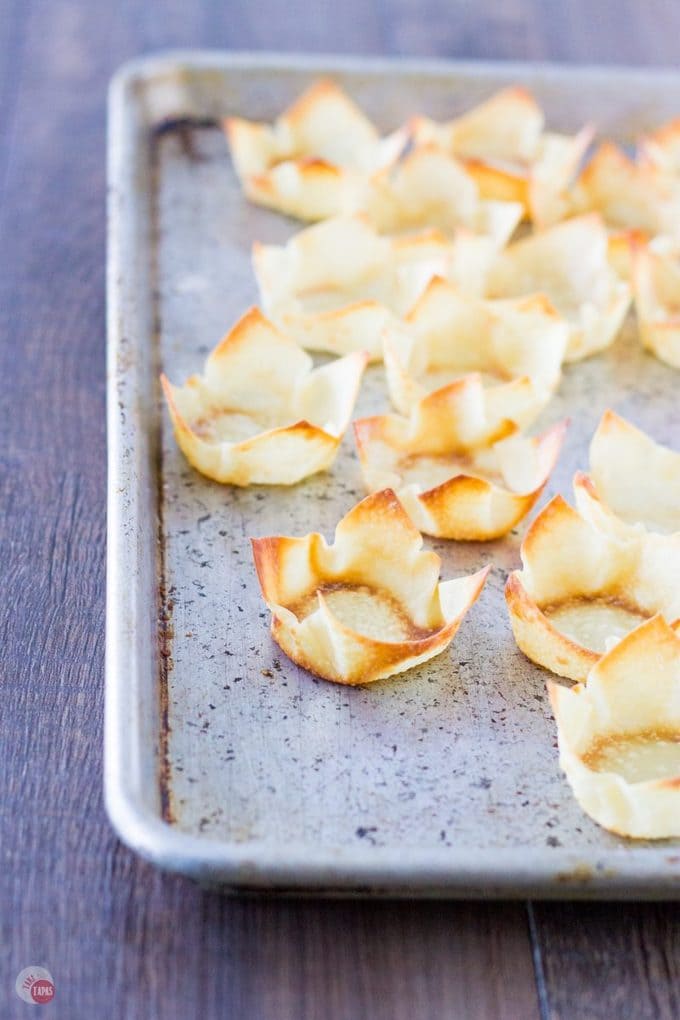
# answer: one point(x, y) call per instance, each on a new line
point(133, 709)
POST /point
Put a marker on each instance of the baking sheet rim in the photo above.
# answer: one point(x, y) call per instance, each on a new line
point(625, 872)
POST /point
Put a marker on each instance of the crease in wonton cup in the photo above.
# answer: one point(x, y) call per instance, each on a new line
point(315, 160)
point(505, 148)
point(634, 482)
point(582, 588)
point(456, 464)
point(629, 194)
point(621, 249)
point(518, 344)
point(335, 286)
point(260, 413)
point(471, 259)
point(368, 606)
point(430, 189)
point(569, 264)
point(619, 734)
point(624, 246)
point(661, 147)
point(656, 289)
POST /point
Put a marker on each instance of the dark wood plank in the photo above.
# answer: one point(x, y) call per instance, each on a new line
point(12, 39)
point(605, 961)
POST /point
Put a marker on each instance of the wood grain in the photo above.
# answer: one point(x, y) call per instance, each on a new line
point(121, 939)
point(604, 960)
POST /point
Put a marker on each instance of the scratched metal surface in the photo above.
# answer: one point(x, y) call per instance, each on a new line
point(453, 763)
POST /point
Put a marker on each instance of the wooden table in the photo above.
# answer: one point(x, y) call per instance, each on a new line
point(120, 939)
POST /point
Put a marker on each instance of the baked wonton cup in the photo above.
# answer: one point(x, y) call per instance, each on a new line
point(368, 606)
point(634, 482)
point(335, 286)
point(456, 465)
point(656, 287)
point(516, 344)
point(580, 589)
point(506, 149)
point(569, 264)
point(619, 734)
point(315, 160)
point(260, 413)
point(629, 194)
point(430, 189)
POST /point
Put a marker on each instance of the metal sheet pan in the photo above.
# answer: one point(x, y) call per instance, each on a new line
point(223, 760)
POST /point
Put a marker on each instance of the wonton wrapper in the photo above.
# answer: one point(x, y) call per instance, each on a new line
point(629, 194)
point(519, 344)
point(656, 287)
point(634, 483)
point(569, 264)
point(619, 735)
point(506, 149)
point(621, 249)
point(662, 147)
point(596, 586)
point(260, 414)
point(451, 465)
point(316, 159)
point(368, 606)
point(335, 286)
point(430, 189)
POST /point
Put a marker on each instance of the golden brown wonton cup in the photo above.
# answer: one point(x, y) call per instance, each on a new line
point(315, 160)
point(368, 606)
point(581, 589)
point(260, 413)
point(518, 344)
point(656, 288)
point(629, 194)
point(505, 148)
point(456, 463)
point(634, 482)
point(335, 286)
point(619, 734)
point(569, 264)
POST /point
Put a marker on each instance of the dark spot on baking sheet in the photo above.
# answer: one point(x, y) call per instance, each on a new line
point(184, 128)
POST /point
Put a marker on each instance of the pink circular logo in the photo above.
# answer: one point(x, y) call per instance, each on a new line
point(35, 985)
point(42, 990)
